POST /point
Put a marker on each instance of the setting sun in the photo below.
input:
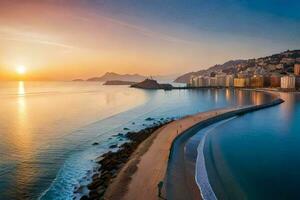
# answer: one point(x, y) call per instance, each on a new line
point(21, 69)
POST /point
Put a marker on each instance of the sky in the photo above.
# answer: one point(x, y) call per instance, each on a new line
point(68, 39)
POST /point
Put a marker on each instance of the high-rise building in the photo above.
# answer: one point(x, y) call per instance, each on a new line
point(241, 82)
point(257, 81)
point(229, 80)
point(275, 80)
point(297, 69)
point(288, 82)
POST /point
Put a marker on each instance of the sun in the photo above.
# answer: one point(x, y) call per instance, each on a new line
point(21, 69)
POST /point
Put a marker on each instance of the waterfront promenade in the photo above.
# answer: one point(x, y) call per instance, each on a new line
point(139, 177)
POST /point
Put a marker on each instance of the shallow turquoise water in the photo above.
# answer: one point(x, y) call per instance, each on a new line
point(47, 129)
point(256, 156)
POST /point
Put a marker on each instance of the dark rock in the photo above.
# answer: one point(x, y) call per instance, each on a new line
point(94, 184)
point(84, 198)
point(95, 143)
point(113, 146)
point(125, 129)
point(149, 119)
point(93, 194)
point(152, 84)
point(112, 162)
point(95, 176)
point(101, 191)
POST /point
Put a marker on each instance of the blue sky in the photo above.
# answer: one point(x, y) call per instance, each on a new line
point(274, 20)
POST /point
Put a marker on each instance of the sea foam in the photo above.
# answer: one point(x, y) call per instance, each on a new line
point(201, 175)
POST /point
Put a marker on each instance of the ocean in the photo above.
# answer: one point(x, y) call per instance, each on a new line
point(256, 155)
point(47, 129)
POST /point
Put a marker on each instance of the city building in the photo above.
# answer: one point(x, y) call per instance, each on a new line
point(200, 81)
point(288, 82)
point(229, 81)
point(241, 82)
point(257, 81)
point(213, 82)
point(194, 82)
point(206, 81)
point(297, 79)
point(221, 80)
point(275, 80)
point(297, 69)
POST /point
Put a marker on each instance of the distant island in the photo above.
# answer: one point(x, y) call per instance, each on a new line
point(78, 79)
point(152, 84)
point(111, 76)
point(118, 82)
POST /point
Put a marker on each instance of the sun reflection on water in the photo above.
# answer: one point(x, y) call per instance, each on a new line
point(23, 140)
point(21, 88)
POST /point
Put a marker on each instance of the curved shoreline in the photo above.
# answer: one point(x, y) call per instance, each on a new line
point(150, 162)
point(206, 191)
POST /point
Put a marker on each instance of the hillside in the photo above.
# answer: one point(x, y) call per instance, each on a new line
point(116, 82)
point(280, 63)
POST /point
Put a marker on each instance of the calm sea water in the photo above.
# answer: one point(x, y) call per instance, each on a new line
point(256, 156)
point(47, 129)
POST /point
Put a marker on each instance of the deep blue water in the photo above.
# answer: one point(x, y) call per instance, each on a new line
point(257, 155)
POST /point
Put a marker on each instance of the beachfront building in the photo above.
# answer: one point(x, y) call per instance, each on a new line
point(193, 81)
point(297, 74)
point(190, 82)
point(297, 81)
point(206, 81)
point(275, 80)
point(257, 81)
point(288, 82)
point(241, 82)
point(200, 81)
point(213, 82)
point(229, 80)
point(297, 69)
point(221, 80)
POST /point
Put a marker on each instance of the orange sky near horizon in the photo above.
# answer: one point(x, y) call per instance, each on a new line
point(60, 41)
point(56, 42)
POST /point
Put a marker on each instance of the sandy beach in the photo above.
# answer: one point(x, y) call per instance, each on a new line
point(147, 167)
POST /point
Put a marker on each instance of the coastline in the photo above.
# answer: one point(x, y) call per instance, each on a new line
point(110, 163)
point(151, 168)
point(174, 174)
point(144, 167)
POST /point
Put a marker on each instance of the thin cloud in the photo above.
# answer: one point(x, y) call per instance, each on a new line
point(139, 29)
point(19, 36)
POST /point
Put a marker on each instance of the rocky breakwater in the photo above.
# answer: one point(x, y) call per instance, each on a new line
point(112, 162)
